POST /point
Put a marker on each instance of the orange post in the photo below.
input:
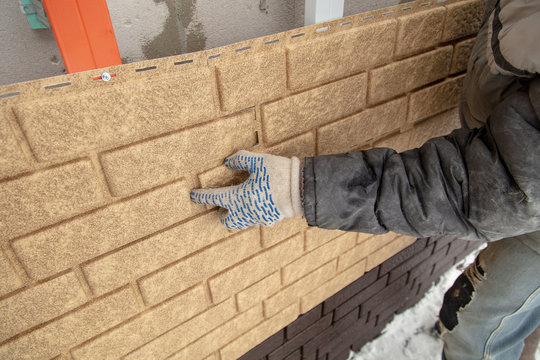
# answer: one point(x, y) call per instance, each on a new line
point(84, 33)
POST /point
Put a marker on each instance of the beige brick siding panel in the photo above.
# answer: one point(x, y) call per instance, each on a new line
point(435, 99)
point(45, 197)
point(352, 132)
point(60, 335)
point(221, 336)
point(463, 18)
point(462, 52)
point(153, 253)
point(155, 162)
point(331, 287)
point(259, 291)
point(299, 113)
point(244, 343)
point(316, 237)
point(222, 176)
point(398, 142)
point(8, 279)
point(251, 81)
point(83, 238)
point(387, 251)
point(292, 293)
point(241, 276)
point(61, 127)
point(184, 334)
point(442, 124)
point(353, 256)
point(339, 55)
point(363, 250)
point(39, 304)
point(312, 260)
point(12, 159)
point(403, 76)
point(419, 31)
point(187, 272)
point(301, 146)
point(143, 328)
point(282, 230)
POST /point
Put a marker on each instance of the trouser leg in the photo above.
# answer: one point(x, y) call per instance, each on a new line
point(495, 304)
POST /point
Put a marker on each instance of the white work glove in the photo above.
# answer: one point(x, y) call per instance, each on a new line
point(271, 193)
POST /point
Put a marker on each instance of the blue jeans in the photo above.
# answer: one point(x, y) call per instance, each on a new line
point(495, 304)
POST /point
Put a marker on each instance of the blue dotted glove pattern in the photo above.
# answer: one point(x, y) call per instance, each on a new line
point(248, 204)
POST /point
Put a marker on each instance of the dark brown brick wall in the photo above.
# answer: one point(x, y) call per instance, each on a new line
point(359, 312)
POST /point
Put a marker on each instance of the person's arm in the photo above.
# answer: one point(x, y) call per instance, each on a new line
point(474, 184)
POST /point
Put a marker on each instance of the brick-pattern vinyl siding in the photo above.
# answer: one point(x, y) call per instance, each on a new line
point(357, 314)
point(103, 255)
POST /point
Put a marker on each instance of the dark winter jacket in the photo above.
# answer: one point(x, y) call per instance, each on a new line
point(479, 182)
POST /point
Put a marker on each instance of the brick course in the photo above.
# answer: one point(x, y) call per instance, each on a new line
point(95, 215)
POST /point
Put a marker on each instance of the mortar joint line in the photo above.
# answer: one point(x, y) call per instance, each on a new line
point(21, 138)
point(16, 265)
point(102, 178)
point(83, 282)
point(138, 295)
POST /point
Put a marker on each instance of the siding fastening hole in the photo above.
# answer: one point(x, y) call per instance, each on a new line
point(146, 68)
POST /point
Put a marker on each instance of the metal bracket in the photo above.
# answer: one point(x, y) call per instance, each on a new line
point(35, 13)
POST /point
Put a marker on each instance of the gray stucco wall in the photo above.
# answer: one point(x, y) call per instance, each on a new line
point(147, 29)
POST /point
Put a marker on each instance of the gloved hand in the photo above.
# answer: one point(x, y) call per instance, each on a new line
point(271, 193)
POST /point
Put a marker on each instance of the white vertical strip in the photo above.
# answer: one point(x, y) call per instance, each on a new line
point(317, 11)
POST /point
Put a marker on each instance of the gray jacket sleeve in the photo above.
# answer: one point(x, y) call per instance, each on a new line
point(477, 183)
point(480, 183)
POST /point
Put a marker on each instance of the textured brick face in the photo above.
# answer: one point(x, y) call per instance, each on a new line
point(405, 75)
point(307, 110)
point(152, 163)
point(360, 129)
point(419, 31)
point(250, 81)
point(463, 18)
point(12, 160)
point(336, 56)
point(43, 198)
point(67, 244)
point(435, 99)
point(150, 109)
point(461, 56)
point(102, 253)
point(8, 280)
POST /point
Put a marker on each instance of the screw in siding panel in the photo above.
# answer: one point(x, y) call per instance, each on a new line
point(105, 76)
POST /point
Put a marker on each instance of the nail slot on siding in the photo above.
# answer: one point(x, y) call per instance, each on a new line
point(298, 35)
point(271, 42)
point(367, 18)
point(146, 69)
point(183, 62)
point(323, 29)
point(387, 13)
point(243, 49)
point(346, 23)
point(214, 56)
point(8, 95)
point(56, 86)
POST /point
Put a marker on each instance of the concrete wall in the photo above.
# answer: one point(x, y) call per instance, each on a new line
point(148, 29)
point(95, 212)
